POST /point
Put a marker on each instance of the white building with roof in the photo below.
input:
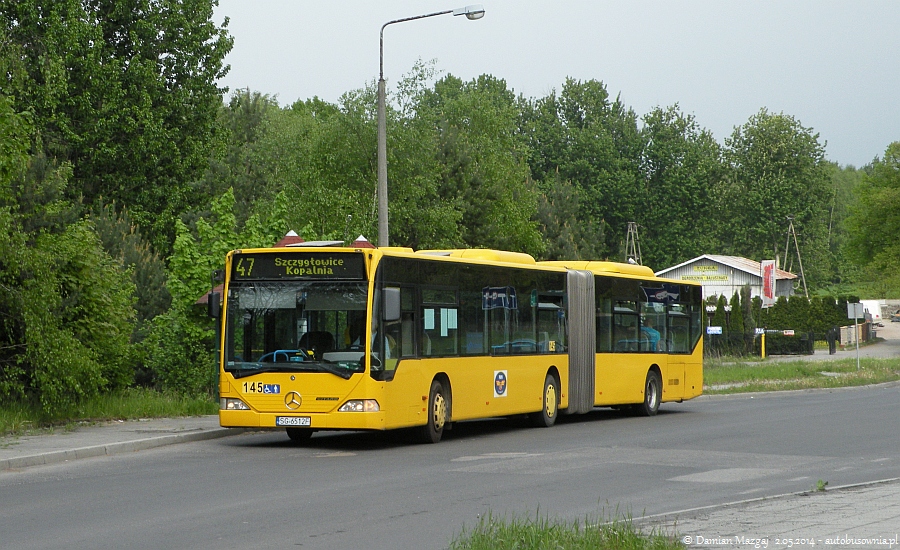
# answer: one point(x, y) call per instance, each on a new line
point(725, 275)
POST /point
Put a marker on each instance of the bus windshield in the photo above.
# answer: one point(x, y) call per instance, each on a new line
point(295, 326)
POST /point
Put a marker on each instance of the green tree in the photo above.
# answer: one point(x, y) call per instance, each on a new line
point(776, 317)
point(481, 158)
point(826, 312)
point(566, 236)
point(776, 171)
point(584, 137)
point(456, 169)
point(736, 317)
point(845, 181)
point(737, 336)
point(66, 312)
point(760, 314)
point(322, 157)
point(874, 217)
point(681, 169)
point(718, 344)
point(123, 90)
point(747, 312)
point(720, 317)
point(239, 161)
point(123, 240)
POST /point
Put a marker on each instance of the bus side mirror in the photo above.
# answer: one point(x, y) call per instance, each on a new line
point(214, 305)
point(391, 304)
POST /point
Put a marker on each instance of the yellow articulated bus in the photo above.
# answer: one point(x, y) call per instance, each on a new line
point(335, 338)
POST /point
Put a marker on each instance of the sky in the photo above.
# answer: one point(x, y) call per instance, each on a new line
point(832, 65)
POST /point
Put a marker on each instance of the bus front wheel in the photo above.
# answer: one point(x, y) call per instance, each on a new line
point(546, 417)
point(652, 395)
point(438, 412)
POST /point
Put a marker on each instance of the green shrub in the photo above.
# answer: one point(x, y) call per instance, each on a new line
point(178, 354)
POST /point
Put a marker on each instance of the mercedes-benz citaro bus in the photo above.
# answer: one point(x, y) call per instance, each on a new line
point(340, 338)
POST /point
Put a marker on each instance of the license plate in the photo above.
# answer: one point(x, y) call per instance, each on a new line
point(292, 421)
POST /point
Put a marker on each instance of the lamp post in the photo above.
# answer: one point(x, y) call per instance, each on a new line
point(472, 13)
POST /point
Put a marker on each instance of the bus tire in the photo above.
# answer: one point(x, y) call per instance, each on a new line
point(546, 417)
point(438, 413)
point(652, 395)
point(299, 435)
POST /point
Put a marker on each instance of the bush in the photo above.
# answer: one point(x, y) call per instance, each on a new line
point(66, 311)
point(177, 354)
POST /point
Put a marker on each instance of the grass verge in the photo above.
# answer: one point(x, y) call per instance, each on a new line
point(720, 376)
point(130, 404)
point(526, 534)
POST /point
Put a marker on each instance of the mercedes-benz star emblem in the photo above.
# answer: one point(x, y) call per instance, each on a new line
point(293, 400)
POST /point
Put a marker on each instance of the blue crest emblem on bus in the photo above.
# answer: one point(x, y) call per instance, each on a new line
point(500, 383)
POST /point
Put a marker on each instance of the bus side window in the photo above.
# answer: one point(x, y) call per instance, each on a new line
point(679, 333)
point(440, 326)
point(407, 335)
point(403, 331)
point(551, 324)
point(604, 332)
point(653, 327)
point(625, 326)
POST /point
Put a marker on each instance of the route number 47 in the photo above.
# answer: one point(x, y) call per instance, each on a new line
point(244, 267)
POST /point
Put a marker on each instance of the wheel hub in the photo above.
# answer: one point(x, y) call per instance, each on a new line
point(550, 400)
point(439, 412)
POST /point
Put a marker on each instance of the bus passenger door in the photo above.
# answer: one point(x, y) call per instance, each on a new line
point(678, 344)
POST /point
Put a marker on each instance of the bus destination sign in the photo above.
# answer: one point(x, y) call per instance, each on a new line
point(298, 265)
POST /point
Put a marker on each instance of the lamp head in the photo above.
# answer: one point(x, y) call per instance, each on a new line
point(473, 12)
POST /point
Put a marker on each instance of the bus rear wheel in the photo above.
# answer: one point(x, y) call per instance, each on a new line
point(652, 395)
point(438, 413)
point(546, 417)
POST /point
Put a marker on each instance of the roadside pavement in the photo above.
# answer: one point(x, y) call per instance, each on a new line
point(106, 438)
point(853, 516)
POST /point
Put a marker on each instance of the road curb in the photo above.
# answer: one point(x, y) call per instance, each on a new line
point(109, 449)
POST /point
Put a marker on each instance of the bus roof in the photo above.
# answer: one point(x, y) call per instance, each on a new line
point(603, 267)
point(484, 255)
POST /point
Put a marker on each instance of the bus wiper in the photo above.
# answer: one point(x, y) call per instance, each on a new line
point(272, 367)
point(306, 366)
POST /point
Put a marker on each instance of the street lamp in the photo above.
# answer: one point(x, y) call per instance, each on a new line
point(471, 12)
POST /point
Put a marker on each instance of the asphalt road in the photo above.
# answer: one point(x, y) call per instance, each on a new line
point(375, 491)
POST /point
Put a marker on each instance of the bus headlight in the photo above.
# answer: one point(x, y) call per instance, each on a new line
point(232, 404)
point(360, 405)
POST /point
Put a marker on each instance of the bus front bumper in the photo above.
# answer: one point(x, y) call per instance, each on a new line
point(316, 421)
